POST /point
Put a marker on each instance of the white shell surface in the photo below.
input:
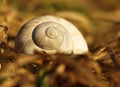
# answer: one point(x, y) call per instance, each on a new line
point(73, 42)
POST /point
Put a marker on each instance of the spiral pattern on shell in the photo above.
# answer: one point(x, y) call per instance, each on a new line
point(51, 35)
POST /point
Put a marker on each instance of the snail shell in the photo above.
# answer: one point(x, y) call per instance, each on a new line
point(51, 35)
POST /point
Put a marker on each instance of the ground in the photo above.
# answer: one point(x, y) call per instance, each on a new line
point(99, 23)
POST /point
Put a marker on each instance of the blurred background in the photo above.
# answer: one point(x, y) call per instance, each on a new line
point(95, 19)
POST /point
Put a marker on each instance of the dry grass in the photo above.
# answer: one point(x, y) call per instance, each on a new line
point(99, 68)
